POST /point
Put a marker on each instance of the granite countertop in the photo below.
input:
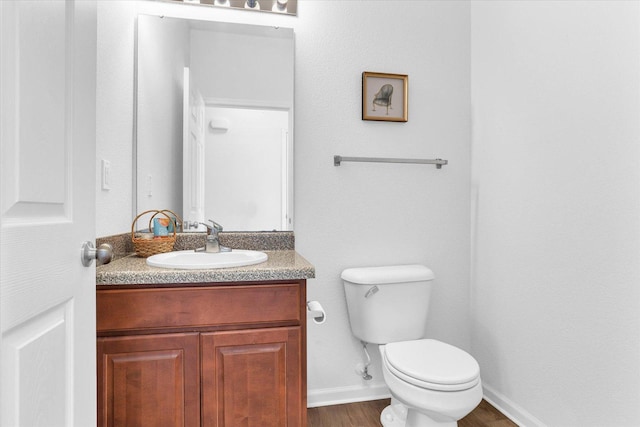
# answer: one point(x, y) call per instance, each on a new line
point(133, 270)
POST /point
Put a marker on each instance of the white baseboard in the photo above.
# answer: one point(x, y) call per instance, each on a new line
point(351, 394)
point(512, 410)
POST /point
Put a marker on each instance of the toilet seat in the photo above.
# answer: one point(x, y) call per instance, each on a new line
point(432, 365)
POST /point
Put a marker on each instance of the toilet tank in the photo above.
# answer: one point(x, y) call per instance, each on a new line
point(388, 304)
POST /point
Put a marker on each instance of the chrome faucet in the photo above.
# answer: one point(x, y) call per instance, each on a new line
point(212, 244)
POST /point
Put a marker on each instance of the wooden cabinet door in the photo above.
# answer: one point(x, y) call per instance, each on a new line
point(252, 378)
point(149, 380)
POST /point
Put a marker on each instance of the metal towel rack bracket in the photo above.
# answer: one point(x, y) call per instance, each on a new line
point(438, 162)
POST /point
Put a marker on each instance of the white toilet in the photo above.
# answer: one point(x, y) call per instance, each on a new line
point(431, 383)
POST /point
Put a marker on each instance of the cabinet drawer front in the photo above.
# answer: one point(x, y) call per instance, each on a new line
point(198, 307)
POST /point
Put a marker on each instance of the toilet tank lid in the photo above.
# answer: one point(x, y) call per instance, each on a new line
point(387, 274)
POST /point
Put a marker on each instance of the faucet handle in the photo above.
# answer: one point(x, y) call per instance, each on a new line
point(216, 226)
point(212, 229)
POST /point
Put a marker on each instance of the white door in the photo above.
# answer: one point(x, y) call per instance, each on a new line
point(47, 209)
point(254, 198)
point(193, 152)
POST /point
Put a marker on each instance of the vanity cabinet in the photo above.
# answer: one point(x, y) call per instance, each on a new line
point(214, 355)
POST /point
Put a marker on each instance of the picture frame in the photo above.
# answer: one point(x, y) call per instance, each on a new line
point(385, 97)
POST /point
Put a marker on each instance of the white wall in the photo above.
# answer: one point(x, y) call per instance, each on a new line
point(556, 172)
point(363, 214)
point(249, 67)
point(159, 113)
point(115, 115)
point(355, 214)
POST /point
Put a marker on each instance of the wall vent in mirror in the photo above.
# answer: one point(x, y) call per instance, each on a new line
point(289, 7)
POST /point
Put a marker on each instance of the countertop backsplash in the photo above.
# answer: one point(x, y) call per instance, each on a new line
point(257, 241)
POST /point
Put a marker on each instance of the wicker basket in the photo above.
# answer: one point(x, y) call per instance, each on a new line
point(157, 245)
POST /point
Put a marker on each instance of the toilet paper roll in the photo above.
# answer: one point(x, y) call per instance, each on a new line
point(317, 312)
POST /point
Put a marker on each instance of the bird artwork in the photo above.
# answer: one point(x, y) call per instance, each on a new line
point(383, 97)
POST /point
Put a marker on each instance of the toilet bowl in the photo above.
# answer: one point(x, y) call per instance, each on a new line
point(431, 383)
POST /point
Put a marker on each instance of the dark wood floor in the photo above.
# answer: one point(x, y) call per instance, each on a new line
point(367, 414)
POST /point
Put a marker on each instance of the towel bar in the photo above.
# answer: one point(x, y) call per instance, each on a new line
point(438, 162)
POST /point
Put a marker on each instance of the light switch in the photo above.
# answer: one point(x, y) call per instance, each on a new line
point(149, 185)
point(106, 175)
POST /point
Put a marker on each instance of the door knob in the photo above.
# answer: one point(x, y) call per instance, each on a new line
point(103, 253)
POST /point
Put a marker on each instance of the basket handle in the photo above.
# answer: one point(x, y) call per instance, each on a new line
point(175, 220)
point(133, 224)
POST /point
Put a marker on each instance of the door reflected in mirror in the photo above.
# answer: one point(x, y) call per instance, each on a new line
point(214, 130)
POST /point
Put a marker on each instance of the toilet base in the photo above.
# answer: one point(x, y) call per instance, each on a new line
point(394, 415)
point(397, 415)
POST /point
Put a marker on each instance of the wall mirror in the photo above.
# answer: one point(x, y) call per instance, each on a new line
point(214, 122)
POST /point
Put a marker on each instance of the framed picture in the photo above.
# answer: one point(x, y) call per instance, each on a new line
point(384, 97)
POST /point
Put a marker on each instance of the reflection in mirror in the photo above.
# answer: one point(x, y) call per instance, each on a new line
point(214, 128)
point(279, 6)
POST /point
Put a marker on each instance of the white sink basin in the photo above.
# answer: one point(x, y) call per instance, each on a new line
point(190, 260)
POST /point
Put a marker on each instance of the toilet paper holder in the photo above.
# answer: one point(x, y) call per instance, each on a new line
point(316, 311)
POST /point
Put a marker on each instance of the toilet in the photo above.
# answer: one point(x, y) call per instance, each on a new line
point(431, 383)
